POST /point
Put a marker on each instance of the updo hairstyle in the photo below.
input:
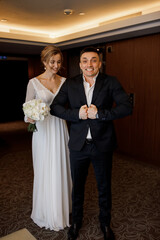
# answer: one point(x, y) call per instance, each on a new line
point(48, 52)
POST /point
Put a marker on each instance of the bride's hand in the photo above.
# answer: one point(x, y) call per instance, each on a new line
point(30, 120)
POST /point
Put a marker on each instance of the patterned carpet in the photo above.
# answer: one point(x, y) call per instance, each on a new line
point(135, 191)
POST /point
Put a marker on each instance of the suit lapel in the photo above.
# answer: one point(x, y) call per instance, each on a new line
point(98, 86)
point(82, 94)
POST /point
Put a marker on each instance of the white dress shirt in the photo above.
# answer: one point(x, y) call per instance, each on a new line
point(89, 93)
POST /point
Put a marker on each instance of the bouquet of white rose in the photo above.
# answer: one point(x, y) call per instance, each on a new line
point(36, 110)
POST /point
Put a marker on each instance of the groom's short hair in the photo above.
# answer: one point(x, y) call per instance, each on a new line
point(90, 49)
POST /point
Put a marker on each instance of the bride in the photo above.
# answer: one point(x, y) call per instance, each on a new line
point(52, 180)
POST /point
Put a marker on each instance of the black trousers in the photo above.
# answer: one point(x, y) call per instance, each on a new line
point(102, 164)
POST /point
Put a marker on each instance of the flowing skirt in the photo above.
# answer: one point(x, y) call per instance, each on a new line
point(52, 178)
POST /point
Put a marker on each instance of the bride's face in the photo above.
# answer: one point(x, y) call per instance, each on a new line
point(54, 64)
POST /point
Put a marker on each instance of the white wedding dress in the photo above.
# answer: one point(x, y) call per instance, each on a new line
point(52, 178)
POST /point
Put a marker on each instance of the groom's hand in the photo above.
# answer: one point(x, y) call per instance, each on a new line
point(83, 112)
point(92, 111)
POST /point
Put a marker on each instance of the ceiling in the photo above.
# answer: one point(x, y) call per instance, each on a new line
point(36, 23)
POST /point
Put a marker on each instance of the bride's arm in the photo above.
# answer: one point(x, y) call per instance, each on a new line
point(30, 95)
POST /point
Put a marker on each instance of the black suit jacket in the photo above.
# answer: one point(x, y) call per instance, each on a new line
point(107, 91)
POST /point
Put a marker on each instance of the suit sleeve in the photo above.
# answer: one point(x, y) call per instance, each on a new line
point(60, 106)
point(122, 107)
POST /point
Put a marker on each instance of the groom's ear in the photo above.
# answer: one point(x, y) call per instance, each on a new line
point(80, 65)
point(100, 64)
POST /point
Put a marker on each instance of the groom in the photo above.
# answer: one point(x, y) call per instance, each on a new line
point(90, 97)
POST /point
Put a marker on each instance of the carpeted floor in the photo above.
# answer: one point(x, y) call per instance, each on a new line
point(135, 191)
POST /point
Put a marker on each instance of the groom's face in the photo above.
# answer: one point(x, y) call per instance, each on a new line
point(90, 64)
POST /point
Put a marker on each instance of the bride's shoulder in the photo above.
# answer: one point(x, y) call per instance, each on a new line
point(32, 81)
point(62, 79)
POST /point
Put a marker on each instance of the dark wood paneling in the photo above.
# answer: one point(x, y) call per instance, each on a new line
point(35, 67)
point(136, 63)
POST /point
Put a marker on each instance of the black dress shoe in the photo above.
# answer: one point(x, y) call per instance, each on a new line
point(108, 233)
point(73, 231)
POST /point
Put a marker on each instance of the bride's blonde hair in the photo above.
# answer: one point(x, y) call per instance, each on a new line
point(48, 52)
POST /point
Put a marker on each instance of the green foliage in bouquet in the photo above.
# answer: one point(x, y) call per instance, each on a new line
point(32, 127)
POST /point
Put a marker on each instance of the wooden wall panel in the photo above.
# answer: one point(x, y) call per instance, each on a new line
point(136, 63)
point(35, 66)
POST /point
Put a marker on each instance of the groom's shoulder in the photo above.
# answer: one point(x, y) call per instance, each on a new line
point(106, 76)
point(108, 79)
point(74, 79)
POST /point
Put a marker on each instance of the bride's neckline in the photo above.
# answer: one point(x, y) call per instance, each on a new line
point(49, 89)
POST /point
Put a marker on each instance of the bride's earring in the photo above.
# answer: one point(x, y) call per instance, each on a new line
point(44, 68)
